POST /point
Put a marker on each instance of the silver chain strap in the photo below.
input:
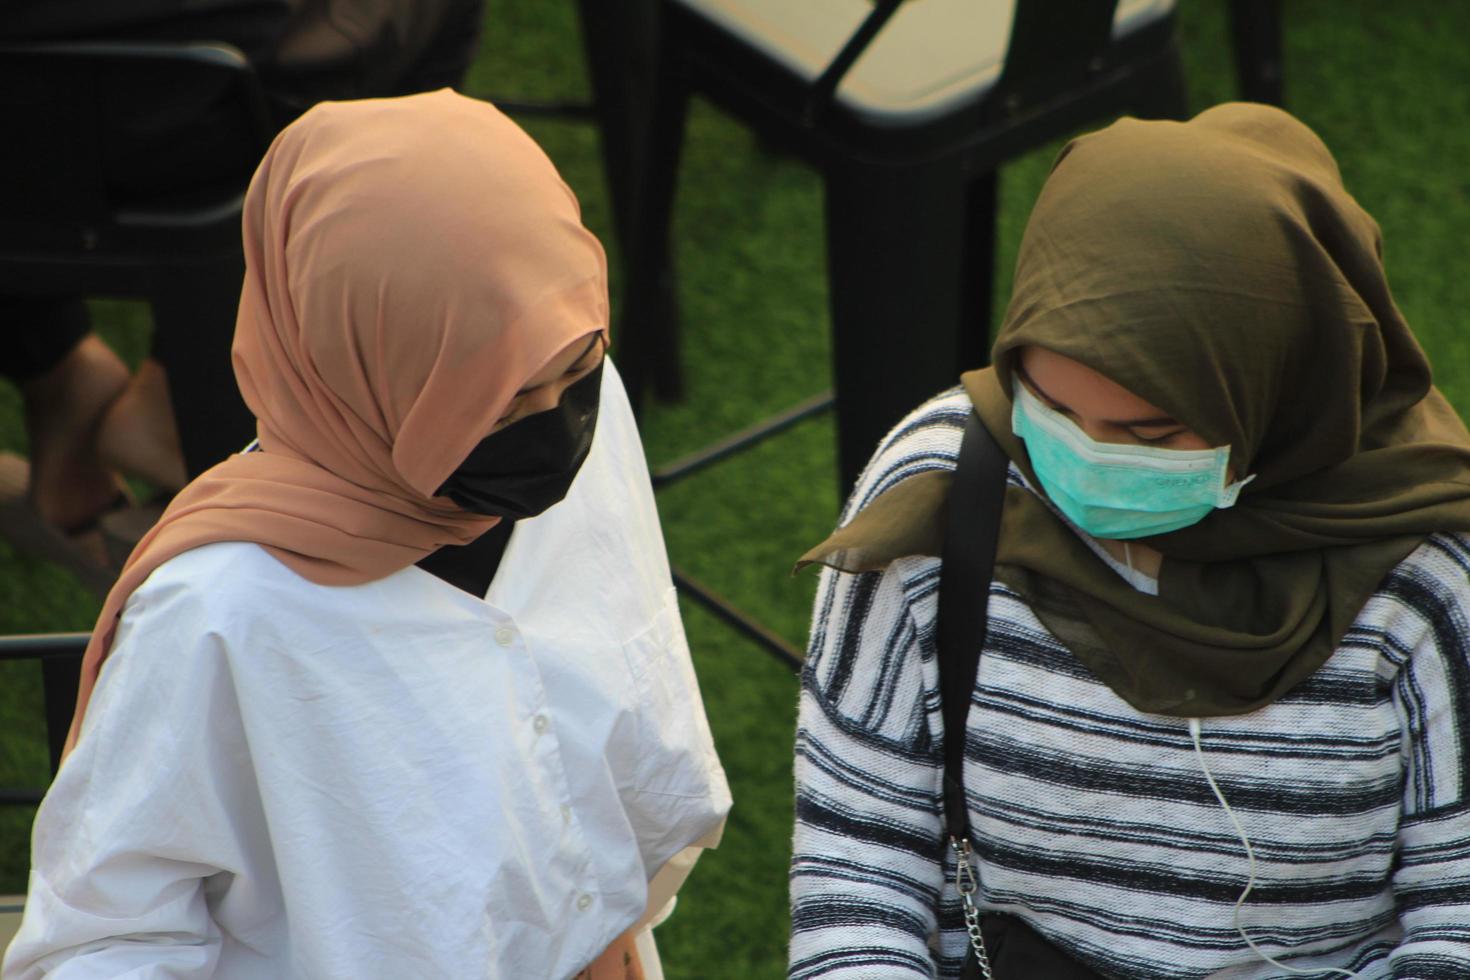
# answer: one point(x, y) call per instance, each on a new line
point(964, 877)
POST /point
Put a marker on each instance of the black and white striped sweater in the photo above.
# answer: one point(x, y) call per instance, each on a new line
point(1095, 823)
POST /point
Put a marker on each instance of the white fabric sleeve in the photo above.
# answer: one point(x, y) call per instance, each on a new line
point(148, 814)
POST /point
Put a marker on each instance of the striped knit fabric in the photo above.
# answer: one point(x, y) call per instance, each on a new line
point(1095, 823)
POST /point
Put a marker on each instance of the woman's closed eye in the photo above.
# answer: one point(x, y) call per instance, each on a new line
point(520, 407)
point(506, 419)
point(1153, 435)
point(1150, 431)
point(1156, 437)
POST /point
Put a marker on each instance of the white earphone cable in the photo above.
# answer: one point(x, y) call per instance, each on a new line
point(1250, 857)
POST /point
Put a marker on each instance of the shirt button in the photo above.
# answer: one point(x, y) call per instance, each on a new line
point(566, 814)
point(584, 902)
point(505, 636)
point(540, 724)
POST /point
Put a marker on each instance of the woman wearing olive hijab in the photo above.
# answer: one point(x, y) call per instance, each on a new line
point(1221, 724)
point(308, 742)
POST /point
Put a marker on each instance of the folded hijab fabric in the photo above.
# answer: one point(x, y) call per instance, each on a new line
point(1218, 269)
point(410, 264)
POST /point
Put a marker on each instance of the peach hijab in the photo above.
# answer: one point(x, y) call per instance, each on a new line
point(410, 264)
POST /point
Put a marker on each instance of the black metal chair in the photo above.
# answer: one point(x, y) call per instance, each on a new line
point(908, 146)
point(621, 45)
point(907, 109)
point(124, 170)
point(617, 43)
point(60, 655)
point(1255, 31)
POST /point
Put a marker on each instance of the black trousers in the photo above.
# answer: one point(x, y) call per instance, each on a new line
point(35, 334)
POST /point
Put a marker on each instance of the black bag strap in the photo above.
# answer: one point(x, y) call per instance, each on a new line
point(971, 532)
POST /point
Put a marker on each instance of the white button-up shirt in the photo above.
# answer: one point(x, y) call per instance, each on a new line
point(283, 779)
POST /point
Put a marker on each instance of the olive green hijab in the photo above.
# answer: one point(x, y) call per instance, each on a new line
point(1219, 269)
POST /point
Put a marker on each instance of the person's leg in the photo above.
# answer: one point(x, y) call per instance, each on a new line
point(138, 434)
point(36, 333)
point(87, 419)
point(67, 377)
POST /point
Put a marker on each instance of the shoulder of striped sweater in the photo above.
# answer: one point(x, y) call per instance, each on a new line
point(1432, 586)
point(1444, 560)
point(928, 438)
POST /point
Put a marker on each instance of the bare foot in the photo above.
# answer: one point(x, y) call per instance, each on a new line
point(138, 435)
point(70, 485)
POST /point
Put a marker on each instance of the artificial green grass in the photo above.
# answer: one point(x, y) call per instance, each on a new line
point(1384, 85)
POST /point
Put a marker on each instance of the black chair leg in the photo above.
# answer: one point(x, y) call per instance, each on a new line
point(648, 336)
point(898, 286)
point(194, 326)
point(620, 42)
point(978, 313)
point(1255, 27)
point(1160, 91)
point(59, 679)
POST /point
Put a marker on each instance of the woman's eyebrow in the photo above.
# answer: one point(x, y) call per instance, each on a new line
point(1143, 423)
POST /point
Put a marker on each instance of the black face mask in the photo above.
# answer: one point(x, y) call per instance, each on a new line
point(529, 465)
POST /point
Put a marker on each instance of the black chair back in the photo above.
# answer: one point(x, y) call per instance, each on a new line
point(122, 174)
point(1055, 46)
point(120, 157)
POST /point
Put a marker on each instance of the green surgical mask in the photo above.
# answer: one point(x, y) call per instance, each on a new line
point(1120, 491)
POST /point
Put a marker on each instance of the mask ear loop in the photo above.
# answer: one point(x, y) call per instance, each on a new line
point(1250, 856)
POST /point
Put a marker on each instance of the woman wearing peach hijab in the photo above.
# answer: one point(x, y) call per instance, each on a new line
point(309, 742)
